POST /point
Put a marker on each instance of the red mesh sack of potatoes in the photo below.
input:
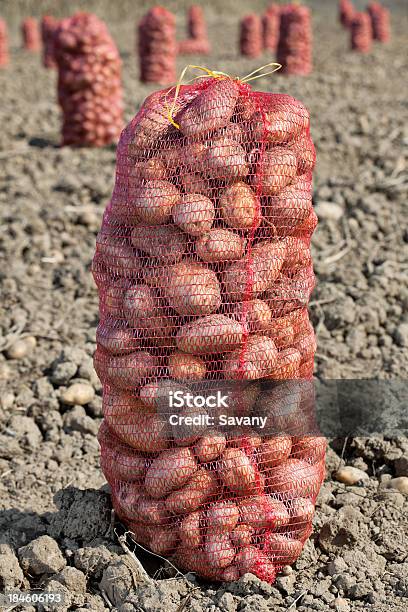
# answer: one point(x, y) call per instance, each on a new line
point(31, 34)
point(4, 51)
point(380, 22)
point(89, 81)
point(205, 350)
point(295, 40)
point(48, 27)
point(251, 36)
point(270, 27)
point(361, 33)
point(157, 46)
point(197, 42)
point(346, 13)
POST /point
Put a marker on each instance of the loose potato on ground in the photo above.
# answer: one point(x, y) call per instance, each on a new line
point(194, 214)
point(192, 289)
point(240, 207)
point(211, 109)
point(275, 170)
point(169, 471)
point(263, 512)
point(237, 471)
point(124, 371)
point(165, 242)
point(273, 451)
point(201, 487)
point(251, 276)
point(222, 517)
point(153, 201)
point(296, 478)
point(116, 340)
point(211, 334)
point(255, 360)
point(251, 560)
point(254, 314)
point(220, 245)
point(183, 366)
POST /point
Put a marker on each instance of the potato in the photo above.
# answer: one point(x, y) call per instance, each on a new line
point(211, 334)
point(230, 574)
point(242, 535)
point(128, 465)
point(301, 511)
point(311, 448)
point(165, 242)
point(199, 490)
point(243, 398)
point(225, 160)
point(111, 299)
point(219, 550)
point(153, 201)
point(308, 226)
point(147, 433)
point(211, 109)
point(240, 207)
point(118, 257)
point(116, 403)
point(275, 170)
point(282, 550)
point(183, 366)
point(245, 438)
point(306, 344)
point(297, 254)
point(263, 512)
point(194, 214)
point(220, 245)
point(251, 276)
point(169, 471)
point(151, 511)
point(299, 320)
point(222, 517)
point(210, 446)
point(296, 478)
point(255, 360)
point(128, 499)
point(195, 560)
point(237, 472)
point(190, 531)
point(148, 170)
point(282, 122)
point(282, 332)
point(193, 182)
point(305, 153)
point(192, 289)
point(291, 291)
point(251, 560)
point(273, 451)
point(163, 540)
point(116, 340)
point(124, 371)
point(287, 366)
point(154, 272)
point(139, 302)
point(254, 314)
point(191, 156)
point(155, 395)
point(142, 312)
point(288, 210)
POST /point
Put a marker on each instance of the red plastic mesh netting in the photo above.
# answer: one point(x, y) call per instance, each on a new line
point(48, 27)
point(204, 273)
point(31, 34)
point(197, 42)
point(271, 27)
point(251, 36)
point(157, 46)
point(4, 51)
point(89, 81)
point(346, 12)
point(361, 33)
point(380, 22)
point(295, 40)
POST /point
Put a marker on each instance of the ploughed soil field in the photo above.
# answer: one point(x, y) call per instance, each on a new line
point(56, 528)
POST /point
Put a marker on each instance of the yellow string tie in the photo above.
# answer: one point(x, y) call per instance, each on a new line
point(215, 74)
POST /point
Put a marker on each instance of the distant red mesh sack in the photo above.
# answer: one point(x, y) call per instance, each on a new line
point(251, 36)
point(295, 40)
point(197, 42)
point(89, 81)
point(4, 51)
point(157, 46)
point(31, 34)
point(361, 33)
point(204, 273)
point(380, 22)
point(346, 12)
point(270, 27)
point(48, 27)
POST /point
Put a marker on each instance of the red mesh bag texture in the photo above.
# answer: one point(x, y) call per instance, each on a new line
point(380, 22)
point(31, 34)
point(48, 28)
point(346, 13)
point(204, 273)
point(89, 81)
point(157, 46)
point(4, 50)
point(197, 42)
point(270, 27)
point(295, 40)
point(361, 33)
point(251, 36)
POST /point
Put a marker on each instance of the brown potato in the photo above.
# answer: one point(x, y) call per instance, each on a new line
point(193, 182)
point(116, 340)
point(146, 433)
point(219, 550)
point(183, 366)
point(225, 160)
point(169, 471)
point(283, 121)
point(165, 242)
point(124, 371)
point(237, 471)
point(298, 254)
point(118, 257)
point(274, 451)
point(190, 532)
point(242, 535)
point(255, 360)
point(194, 214)
point(210, 446)
point(254, 314)
point(287, 366)
point(275, 170)
point(263, 512)
point(296, 478)
point(220, 245)
point(222, 517)
point(288, 210)
point(281, 549)
point(305, 153)
point(153, 201)
point(251, 560)
point(151, 511)
point(192, 289)
point(311, 448)
point(282, 332)
point(240, 207)
point(163, 540)
point(199, 490)
point(148, 170)
point(211, 334)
